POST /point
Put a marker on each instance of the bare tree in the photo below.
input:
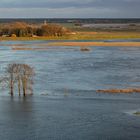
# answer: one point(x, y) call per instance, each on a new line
point(11, 78)
point(27, 74)
point(20, 75)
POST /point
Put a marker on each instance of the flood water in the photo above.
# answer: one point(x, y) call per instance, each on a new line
point(65, 105)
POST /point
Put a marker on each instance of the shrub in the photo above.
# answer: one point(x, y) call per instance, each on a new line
point(13, 35)
point(21, 29)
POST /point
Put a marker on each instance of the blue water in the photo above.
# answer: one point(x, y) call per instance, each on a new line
point(65, 105)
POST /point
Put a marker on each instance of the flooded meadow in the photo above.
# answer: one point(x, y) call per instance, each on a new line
point(65, 104)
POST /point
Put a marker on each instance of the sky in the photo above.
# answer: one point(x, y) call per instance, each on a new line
point(69, 8)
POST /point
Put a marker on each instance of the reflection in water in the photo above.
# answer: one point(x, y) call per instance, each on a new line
point(17, 117)
point(42, 118)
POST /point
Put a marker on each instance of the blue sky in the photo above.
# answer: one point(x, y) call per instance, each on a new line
point(70, 8)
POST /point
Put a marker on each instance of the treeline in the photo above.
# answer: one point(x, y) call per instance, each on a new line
point(21, 29)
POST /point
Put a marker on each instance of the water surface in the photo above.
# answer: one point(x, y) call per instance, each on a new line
point(65, 105)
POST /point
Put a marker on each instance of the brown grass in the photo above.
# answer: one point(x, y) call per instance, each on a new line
point(128, 90)
point(88, 44)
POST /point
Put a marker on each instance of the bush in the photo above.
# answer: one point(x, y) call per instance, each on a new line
point(13, 35)
point(21, 29)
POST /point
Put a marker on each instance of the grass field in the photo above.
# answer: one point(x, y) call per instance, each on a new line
point(83, 36)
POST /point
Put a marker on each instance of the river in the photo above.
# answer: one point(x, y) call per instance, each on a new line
point(65, 104)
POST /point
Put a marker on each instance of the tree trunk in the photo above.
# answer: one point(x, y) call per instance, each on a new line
point(11, 90)
point(11, 87)
point(19, 86)
point(24, 86)
point(24, 90)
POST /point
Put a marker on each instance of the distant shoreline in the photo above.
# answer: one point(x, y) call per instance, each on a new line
point(82, 39)
point(80, 36)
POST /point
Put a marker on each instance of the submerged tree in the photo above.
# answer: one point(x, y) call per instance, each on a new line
point(20, 75)
point(26, 73)
point(11, 78)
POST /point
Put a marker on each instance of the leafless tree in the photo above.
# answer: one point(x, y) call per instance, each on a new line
point(20, 75)
point(11, 78)
point(26, 74)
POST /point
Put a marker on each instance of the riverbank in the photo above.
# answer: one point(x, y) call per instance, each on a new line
point(82, 36)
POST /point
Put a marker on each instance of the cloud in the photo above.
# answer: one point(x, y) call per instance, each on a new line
point(71, 8)
point(67, 3)
point(45, 3)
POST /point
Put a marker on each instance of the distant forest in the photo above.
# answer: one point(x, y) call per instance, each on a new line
point(69, 20)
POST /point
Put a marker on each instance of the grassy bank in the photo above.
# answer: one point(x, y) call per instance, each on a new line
point(83, 36)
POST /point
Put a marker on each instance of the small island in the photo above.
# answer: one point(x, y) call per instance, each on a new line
point(137, 113)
